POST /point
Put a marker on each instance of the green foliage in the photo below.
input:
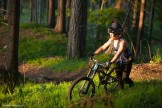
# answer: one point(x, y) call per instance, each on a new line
point(31, 95)
point(157, 56)
point(43, 43)
point(102, 18)
point(144, 94)
point(33, 26)
point(47, 49)
point(98, 22)
point(60, 64)
point(104, 57)
point(38, 95)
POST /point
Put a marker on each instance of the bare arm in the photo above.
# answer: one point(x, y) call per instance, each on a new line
point(103, 47)
point(120, 50)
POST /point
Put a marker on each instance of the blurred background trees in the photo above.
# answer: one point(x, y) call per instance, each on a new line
point(84, 23)
point(143, 20)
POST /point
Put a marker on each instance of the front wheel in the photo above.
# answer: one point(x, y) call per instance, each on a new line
point(81, 88)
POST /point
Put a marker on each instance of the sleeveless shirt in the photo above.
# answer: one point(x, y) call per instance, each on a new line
point(124, 56)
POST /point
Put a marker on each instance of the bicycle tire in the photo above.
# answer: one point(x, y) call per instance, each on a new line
point(111, 84)
point(75, 92)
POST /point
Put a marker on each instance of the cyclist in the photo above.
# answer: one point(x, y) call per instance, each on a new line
point(121, 53)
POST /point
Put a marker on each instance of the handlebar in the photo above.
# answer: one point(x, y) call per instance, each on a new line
point(118, 64)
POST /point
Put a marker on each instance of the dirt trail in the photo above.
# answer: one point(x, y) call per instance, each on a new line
point(39, 74)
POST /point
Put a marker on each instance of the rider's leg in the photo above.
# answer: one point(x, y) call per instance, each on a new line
point(126, 74)
point(119, 77)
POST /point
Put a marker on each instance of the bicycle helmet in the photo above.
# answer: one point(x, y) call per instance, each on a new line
point(115, 28)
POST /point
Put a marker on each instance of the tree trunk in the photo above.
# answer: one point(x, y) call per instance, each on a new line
point(68, 5)
point(39, 11)
point(151, 21)
point(135, 18)
point(151, 27)
point(12, 43)
point(109, 3)
point(60, 23)
point(77, 31)
point(140, 28)
point(5, 9)
point(103, 4)
point(118, 4)
point(31, 11)
point(51, 13)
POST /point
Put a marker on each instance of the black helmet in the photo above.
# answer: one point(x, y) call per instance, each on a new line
point(115, 28)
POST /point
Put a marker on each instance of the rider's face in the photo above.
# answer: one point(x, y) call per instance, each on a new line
point(112, 36)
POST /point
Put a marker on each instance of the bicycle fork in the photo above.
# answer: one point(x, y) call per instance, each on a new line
point(87, 85)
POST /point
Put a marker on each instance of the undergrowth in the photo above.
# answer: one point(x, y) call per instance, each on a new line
point(49, 95)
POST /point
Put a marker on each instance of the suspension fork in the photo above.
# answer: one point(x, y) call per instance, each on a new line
point(88, 85)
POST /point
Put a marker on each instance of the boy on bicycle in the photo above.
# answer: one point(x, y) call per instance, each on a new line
point(121, 53)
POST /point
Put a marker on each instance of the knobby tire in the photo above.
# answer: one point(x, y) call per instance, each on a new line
point(74, 91)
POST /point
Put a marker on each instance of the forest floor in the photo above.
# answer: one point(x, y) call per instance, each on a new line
point(145, 71)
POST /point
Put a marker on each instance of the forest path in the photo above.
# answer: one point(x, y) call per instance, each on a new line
point(145, 71)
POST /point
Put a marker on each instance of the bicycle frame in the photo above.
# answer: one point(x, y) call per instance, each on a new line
point(92, 72)
point(85, 86)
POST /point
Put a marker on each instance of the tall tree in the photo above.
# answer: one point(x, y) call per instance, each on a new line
point(13, 39)
point(68, 3)
point(60, 23)
point(151, 20)
point(103, 4)
point(68, 6)
point(151, 27)
point(140, 28)
point(118, 4)
point(5, 9)
point(77, 30)
point(38, 11)
point(51, 13)
point(32, 12)
point(135, 12)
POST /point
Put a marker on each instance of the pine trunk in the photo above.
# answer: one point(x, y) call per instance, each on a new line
point(51, 13)
point(140, 28)
point(12, 44)
point(77, 31)
point(60, 23)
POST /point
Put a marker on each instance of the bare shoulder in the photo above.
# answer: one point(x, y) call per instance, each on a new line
point(123, 42)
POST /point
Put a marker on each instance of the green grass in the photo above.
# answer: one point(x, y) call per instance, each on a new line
point(38, 95)
point(47, 49)
point(49, 95)
point(43, 43)
point(157, 56)
point(144, 94)
point(60, 64)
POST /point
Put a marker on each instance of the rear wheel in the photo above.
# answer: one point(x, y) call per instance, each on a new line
point(82, 88)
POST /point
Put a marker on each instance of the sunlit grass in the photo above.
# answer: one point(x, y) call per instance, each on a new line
point(44, 44)
point(60, 64)
point(32, 95)
point(38, 95)
point(143, 94)
point(157, 57)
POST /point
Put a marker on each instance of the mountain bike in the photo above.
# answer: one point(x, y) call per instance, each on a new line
point(84, 87)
